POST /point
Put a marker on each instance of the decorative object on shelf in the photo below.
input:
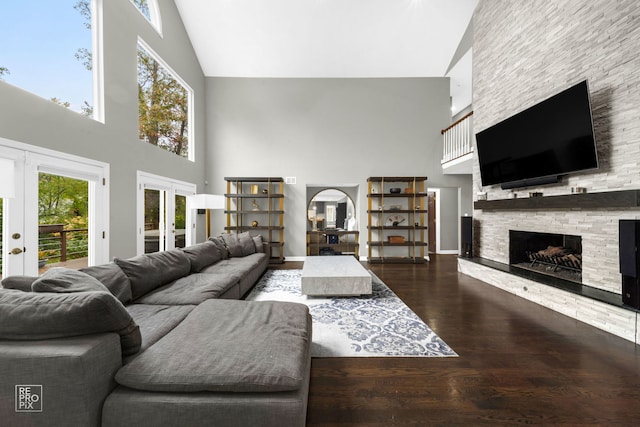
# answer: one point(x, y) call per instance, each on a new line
point(254, 189)
point(254, 223)
point(395, 190)
point(409, 189)
point(395, 207)
point(265, 191)
point(395, 220)
point(254, 205)
point(535, 194)
point(396, 239)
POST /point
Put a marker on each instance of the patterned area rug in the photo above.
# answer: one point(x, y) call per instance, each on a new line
point(377, 325)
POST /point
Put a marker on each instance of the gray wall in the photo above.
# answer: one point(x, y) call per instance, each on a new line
point(32, 120)
point(525, 52)
point(327, 131)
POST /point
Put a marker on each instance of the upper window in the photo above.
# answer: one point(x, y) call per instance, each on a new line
point(149, 9)
point(164, 105)
point(46, 49)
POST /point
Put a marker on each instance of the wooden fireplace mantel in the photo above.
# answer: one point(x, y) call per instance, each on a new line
point(601, 200)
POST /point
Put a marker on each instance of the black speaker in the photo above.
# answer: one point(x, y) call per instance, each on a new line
point(628, 242)
point(466, 236)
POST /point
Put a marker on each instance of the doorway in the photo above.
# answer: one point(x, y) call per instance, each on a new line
point(432, 220)
point(56, 211)
point(164, 222)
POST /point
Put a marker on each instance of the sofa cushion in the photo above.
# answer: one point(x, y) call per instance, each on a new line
point(113, 278)
point(240, 266)
point(64, 280)
point(257, 241)
point(202, 255)
point(149, 271)
point(21, 283)
point(156, 321)
point(228, 346)
point(44, 315)
point(247, 245)
point(240, 244)
point(232, 244)
point(192, 289)
point(219, 242)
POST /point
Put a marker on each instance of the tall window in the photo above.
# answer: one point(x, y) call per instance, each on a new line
point(149, 9)
point(163, 105)
point(46, 47)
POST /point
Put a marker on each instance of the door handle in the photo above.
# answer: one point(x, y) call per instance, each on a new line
point(16, 251)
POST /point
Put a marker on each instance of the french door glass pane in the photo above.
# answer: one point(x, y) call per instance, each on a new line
point(180, 220)
point(63, 222)
point(154, 220)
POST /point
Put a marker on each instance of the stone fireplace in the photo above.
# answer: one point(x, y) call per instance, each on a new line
point(557, 255)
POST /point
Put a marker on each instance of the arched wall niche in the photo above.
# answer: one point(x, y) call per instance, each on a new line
point(330, 206)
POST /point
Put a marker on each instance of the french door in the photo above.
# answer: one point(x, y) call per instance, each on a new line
point(12, 214)
point(26, 215)
point(163, 220)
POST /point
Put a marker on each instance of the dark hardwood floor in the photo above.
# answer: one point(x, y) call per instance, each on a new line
point(519, 363)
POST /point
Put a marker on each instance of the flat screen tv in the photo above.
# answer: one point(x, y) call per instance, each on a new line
point(540, 144)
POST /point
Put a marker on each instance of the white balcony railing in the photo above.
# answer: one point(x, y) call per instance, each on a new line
point(458, 139)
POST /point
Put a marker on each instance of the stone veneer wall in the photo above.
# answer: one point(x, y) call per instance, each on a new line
point(524, 52)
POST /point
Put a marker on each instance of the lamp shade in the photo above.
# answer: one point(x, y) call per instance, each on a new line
point(205, 201)
point(7, 178)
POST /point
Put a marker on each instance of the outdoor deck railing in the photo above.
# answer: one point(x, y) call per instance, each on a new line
point(55, 245)
point(60, 246)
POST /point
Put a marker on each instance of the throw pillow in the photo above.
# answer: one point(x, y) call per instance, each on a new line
point(224, 252)
point(257, 241)
point(202, 255)
point(113, 278)
point(21, 283)
point(46, 315)
point(233, 245)
point(149, 271)
point(64, 280)
point(247, 247)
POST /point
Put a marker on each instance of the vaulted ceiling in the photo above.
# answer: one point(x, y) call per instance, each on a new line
point(326, 38)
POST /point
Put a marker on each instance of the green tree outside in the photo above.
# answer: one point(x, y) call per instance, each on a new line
point(162, 107)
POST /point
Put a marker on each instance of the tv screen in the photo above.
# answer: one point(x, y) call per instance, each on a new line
point(538, 145)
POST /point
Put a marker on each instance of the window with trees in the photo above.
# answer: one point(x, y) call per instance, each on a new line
point(149, 9)
point(47, 48)
point(164, 105)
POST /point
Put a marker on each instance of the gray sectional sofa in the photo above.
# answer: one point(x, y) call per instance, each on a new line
point(160, 339)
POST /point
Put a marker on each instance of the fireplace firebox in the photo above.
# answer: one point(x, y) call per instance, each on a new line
point(558, 255)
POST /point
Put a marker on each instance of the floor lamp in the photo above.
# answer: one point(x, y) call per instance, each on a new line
point(207, 202)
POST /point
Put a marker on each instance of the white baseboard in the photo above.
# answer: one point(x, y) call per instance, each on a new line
point(448, 252)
